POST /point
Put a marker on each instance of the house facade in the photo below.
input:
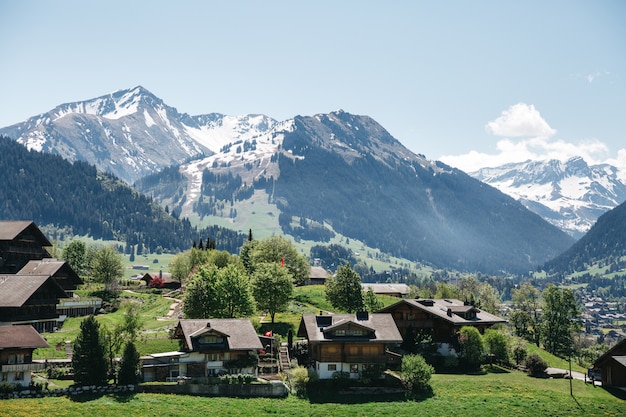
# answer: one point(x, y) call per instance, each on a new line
point(441, 318)
point(208, 347)
point(17, 344)
point(347, 342)
point(168, 282)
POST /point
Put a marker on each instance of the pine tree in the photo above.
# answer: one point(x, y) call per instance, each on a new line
point(129, 366)
point(89, 356)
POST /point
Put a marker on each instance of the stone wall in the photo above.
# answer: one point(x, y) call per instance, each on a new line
point(274, 389)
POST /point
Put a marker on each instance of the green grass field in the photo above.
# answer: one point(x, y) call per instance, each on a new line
point(492, 394)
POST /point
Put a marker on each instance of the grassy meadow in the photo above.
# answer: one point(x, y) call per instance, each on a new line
point(498, 393)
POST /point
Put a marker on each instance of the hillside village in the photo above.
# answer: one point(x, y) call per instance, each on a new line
point(38, 293)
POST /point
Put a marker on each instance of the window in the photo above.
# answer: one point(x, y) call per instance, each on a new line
point(332, 366)
point(211, 338)
point(20, 358)
point(12, 359)
point(340, 332)
point(19, 376)
point(354, 368)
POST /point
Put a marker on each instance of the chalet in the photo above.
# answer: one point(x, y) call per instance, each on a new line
point(60, 271)
point(347, 342)
point(612, 366)
point(441, 318)
point(168, 281)
point(393, 290)
point(30, 299)
point(317, 276)
point(20, 242)
point(35, 288)
point(209, 347)
point(17, 344)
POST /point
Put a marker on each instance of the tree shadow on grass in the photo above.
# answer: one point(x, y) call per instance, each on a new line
point(119, 397)
point(319, 394)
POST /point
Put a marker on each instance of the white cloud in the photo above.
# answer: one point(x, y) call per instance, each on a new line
point(536, 143)
point(520, 120)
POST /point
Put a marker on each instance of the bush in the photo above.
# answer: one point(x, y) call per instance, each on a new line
point(416, 373)
point(497, 345)
point(6, 387)
point(472, 348)
point(535, 364)
point(519, 352)
point(299, 377)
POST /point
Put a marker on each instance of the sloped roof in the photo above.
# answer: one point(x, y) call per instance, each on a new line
point(619, 350)
point(317, 272)
point(50, 266)
point(387, 288)
point(385, 329)
point(240, 332)
point(25, 337)
point(9, 230)
point(440, 307)
point(15, 290)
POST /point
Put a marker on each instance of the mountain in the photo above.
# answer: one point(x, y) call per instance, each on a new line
point(569, 194)
point(340, 173)
point(76, 199)
point(312, 177)
point(131, 133)
point(605, 241)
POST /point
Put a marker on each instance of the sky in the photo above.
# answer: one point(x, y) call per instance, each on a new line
point(471, 83)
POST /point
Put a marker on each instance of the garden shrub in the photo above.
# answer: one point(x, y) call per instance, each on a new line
point(416, 373)
point(299, 378)
point(535, 364)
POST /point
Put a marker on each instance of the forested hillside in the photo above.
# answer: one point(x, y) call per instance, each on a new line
point(49, 190)
point(605, 241)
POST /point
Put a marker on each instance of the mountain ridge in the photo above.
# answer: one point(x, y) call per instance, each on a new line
point(569, 194)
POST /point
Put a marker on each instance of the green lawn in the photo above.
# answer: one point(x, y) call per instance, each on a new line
point(554, 361)
point(492, 394)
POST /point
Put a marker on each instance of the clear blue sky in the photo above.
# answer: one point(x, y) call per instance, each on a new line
point(499, 79)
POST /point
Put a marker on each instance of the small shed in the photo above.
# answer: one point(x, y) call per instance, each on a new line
point(612, 366)
point(168, 282)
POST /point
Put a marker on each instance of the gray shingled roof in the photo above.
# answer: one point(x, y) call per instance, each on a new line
point(385, 329)
point(240, 332)
point(440, 308)
point(25, 337)
point(15, 290)
point(9, 230)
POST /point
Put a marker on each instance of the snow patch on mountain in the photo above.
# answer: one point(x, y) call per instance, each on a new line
point(569, 194)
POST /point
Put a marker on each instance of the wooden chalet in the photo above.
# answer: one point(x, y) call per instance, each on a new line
point(35, 288)
point(20, 242)
point(441, 318)
point(17, 344)
point(168, 282)
point(612, 366)
point(347, 342)
point(30, 299)
point(209, 347)
point(317, 276)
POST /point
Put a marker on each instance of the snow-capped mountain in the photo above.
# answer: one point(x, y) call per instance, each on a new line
point(132, 133)
point(569, 194)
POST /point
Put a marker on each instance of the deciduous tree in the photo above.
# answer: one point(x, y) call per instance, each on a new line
point(279, 250)
point(107, 267)
point(272, 287)
point(75, 254)
point(344, 291)
point(560, 318)
point(525, 313)
point(235, 292)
